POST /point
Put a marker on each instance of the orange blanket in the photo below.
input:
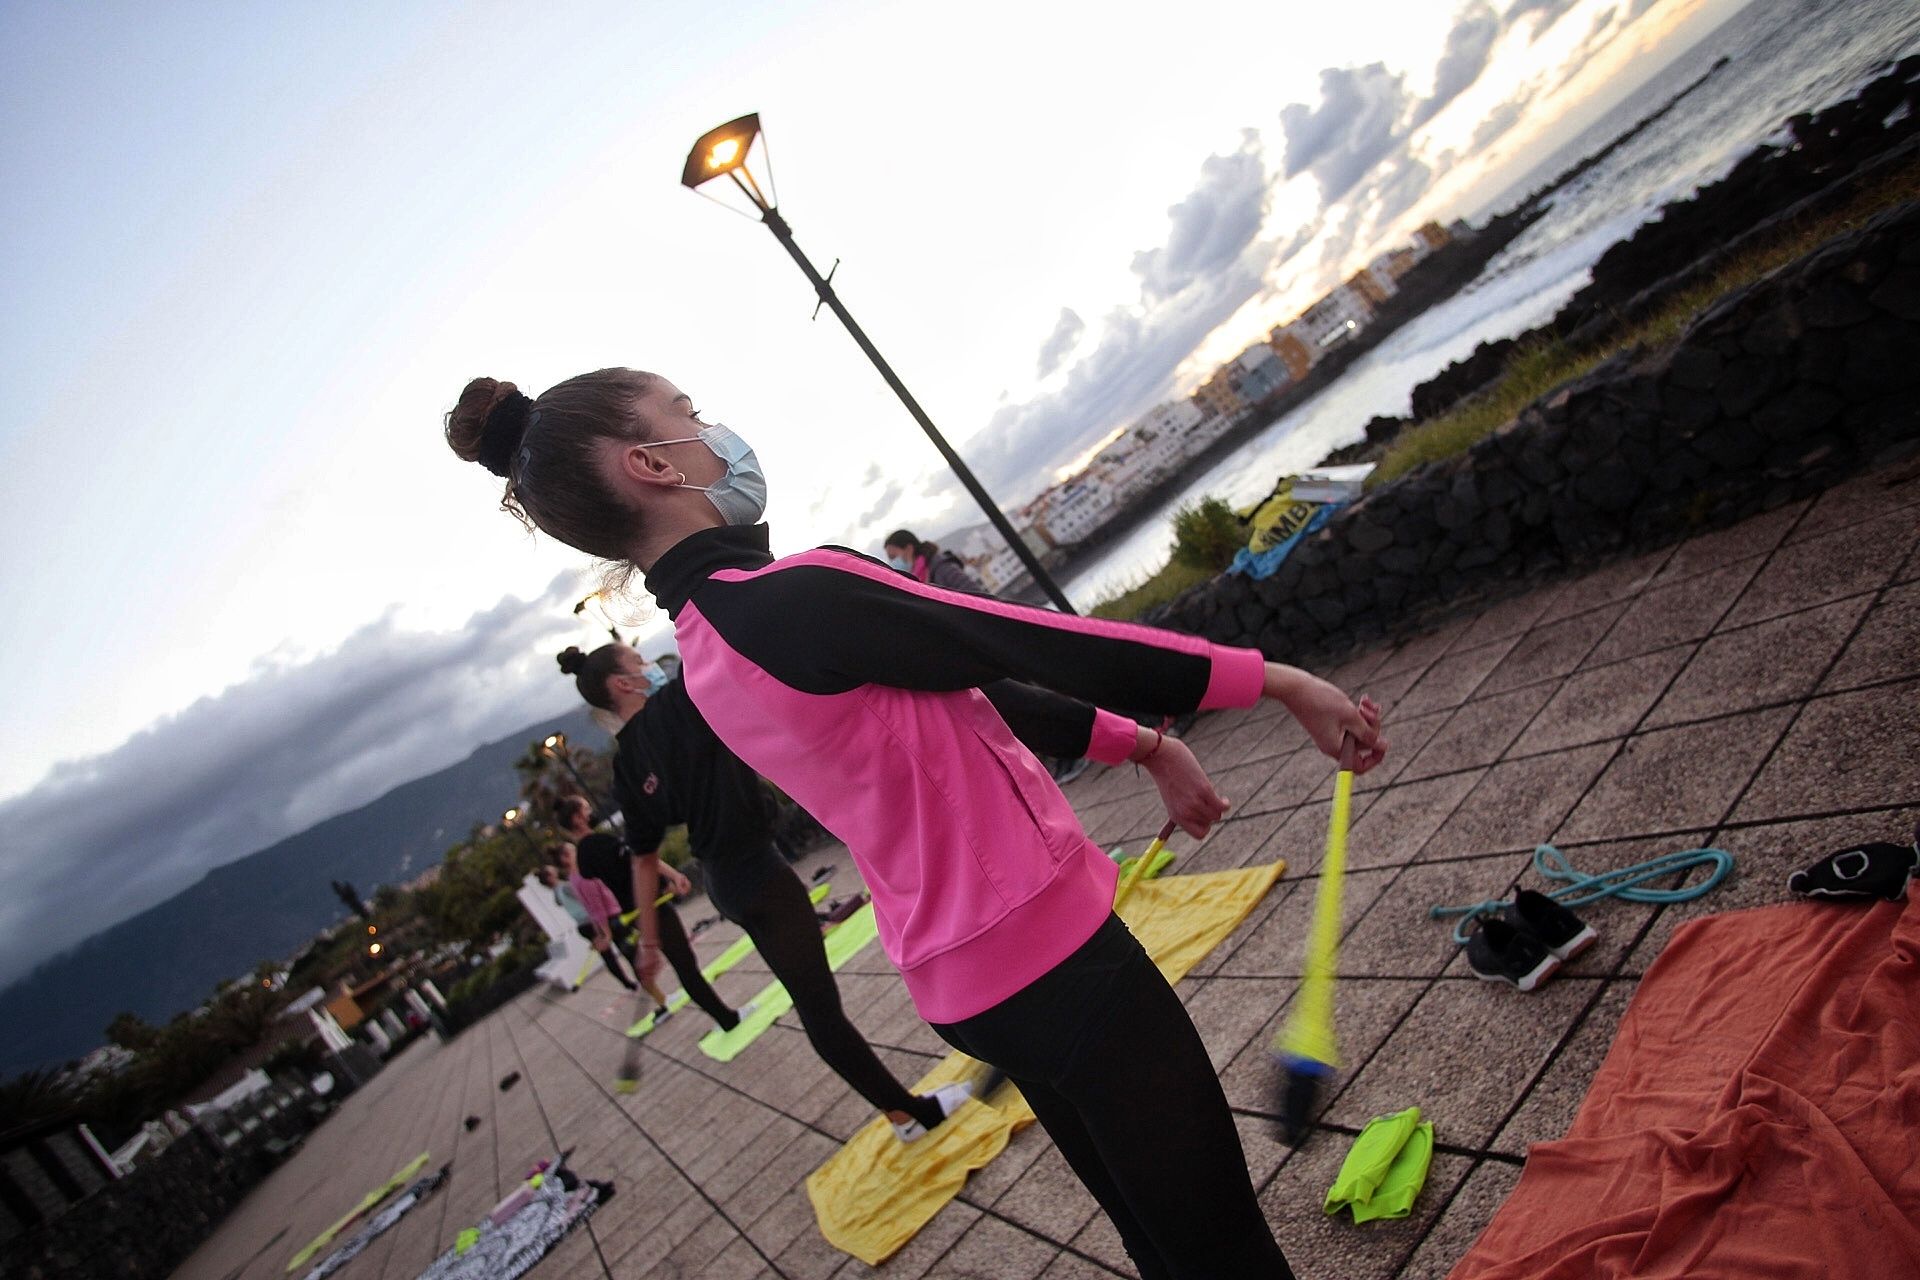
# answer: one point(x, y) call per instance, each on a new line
point(1757, 1116)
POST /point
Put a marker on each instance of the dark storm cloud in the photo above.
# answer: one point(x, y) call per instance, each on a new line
point(1547, 12)
point(1061, 342)
point(105, 838)
point(1360, 117)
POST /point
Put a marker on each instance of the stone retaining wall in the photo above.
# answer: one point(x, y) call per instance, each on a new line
point(1784, 387)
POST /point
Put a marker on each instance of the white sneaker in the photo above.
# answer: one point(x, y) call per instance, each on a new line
point(745, 1011)
point(950, 1097)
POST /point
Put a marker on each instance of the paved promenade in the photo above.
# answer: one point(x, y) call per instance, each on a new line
point(1756, 688)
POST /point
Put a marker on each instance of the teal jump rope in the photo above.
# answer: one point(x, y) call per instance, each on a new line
point(1623, 882)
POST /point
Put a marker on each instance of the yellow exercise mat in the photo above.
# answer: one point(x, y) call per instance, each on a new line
point(874, 1194)
point(407, 1173)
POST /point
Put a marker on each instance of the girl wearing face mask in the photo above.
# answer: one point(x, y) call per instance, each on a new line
point(858, 692)
point(930, 562)
point(669, 769)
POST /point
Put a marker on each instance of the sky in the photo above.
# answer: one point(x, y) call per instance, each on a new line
point(253, 253)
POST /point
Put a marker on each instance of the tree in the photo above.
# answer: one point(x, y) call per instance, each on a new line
point(131, 1031)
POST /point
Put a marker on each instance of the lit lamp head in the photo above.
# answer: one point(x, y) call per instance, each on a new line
point(729, 152)
point(556, 743)
point(510, 817)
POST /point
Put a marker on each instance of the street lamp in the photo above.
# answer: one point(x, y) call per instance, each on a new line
point(556, 746)
point(723, 152)
point(511, 818)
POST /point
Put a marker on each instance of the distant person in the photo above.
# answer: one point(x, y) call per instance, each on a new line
point(636, 878)
point(930, 562)
point(556, 873)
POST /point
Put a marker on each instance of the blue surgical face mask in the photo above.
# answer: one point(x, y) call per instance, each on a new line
point(656, 678)
point(901, 563)
point(740, 496)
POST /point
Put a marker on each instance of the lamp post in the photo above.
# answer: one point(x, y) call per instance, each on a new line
point(556, 746)
point(511, 818)
point(723, 152)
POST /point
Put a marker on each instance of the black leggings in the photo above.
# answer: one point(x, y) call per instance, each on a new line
point(760, 893)
point(610, 957)
point(1112, 1066)
point(686, 966)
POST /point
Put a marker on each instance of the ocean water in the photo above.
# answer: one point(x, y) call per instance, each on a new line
point(1786, 56)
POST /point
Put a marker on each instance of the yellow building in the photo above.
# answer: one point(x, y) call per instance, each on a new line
point(1293, 353)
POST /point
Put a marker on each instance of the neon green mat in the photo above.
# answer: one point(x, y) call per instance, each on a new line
point(846, 940)
point(741, 948)
point(400, 1179)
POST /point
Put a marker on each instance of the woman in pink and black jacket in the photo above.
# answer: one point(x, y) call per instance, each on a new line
point(857, 691)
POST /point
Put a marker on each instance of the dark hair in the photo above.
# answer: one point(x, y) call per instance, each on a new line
point(545, 449)
point(905, 538)
point(567, 808)
point(591, 671)
point(554, 855)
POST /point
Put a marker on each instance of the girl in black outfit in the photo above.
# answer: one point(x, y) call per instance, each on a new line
point(671, 769)
point(634, 879)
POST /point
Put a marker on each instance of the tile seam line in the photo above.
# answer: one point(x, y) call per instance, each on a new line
point(553, 1135)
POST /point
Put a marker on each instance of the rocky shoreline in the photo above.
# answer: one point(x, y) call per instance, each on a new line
point(1782, 388)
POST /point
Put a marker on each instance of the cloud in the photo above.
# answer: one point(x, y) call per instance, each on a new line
point(1358, 120)
point(1498, 121)
point(1547, 12)
point(1211, 226)
point(105, 838)
point(1469, 45)
point(1061, 342)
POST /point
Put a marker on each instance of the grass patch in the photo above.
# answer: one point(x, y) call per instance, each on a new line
point(1156, 588)
point(1537, 368)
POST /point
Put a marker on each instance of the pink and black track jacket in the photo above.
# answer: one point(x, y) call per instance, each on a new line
point(856, 690)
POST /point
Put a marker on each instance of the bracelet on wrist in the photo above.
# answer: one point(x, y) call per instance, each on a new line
point(1158, 739)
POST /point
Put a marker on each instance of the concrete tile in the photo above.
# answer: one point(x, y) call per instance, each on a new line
point(924, 1255)
point(1069, 1267)
point(1764, 856)
point(1461, 1223)
point(1230, 1012)
point(1099, 1240)
point(1910, 571)
point(1860, 500)
point(1552, 649)
point(1239, 782)
point(1395, 937)
point(1845, 751)
point(1317, 1244)
point(1676, 779)
point(1511, 617)
point(1772, 661)
point(1676, 614)
point(1478, 733)
point(1353, 673)
point(693, 1255)
point(1621, 580)
point(1518, 803)
point(789, 1218)
point(1406, 736)
point(1397, 825)
point(1452, 679)
point(1417, 654)
point(1705, 552)
point(984, 1186)
point(1602, 703)
point(1232, 844)
point(1502, 1035)
point(1303, 776)
point(1129, 817)
point(1830, 567)
point(1887, 646)
point(1257, 739)
point(1271, 942)
point(1365, 1011)
point(1553, 1102)
point(1049, 1198)
point(740, 1261)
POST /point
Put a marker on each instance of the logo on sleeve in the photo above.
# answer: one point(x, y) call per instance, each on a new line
point(651, 785)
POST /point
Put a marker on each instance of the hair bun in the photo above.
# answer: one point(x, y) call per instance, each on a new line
point(571, 660)
point(488, 423)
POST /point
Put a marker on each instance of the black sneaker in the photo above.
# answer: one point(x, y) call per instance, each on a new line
point(1565, 934)
point(1876, 870)
point(1499, 952)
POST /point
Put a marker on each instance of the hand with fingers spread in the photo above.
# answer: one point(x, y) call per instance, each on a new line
point(1329, 715)
point(1184, 786)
